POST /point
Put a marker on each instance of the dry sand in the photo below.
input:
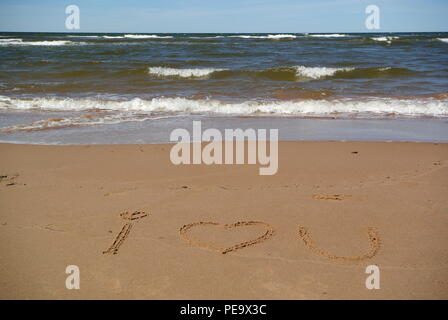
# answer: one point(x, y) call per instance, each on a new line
point(308, 232)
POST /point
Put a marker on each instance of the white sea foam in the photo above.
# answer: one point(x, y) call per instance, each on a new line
point(146, 36)
point(330, 35)
point(182, 73)
point(281, 36)
point(248, 37)
point(443, 39)
point(318, 72)
point(270, 36)
point(82, 36)
point(216, 37)
point(10, 40)
point(113, 37)
point(138, 36)
point(20, 42)
point(81, 121)
point(379, 106)
point(384, 39)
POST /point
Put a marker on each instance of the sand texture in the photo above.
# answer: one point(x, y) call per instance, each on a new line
point(138, 226)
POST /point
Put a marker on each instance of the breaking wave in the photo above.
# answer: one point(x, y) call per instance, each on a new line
point(329, 35)
point(81, 121)
point(137, 36)
point(146, 36)
point(82, 36)
point(375, 106)
point(113, 37)
point(319, 72)
point(270, 36)
point(182, 73)
point(20, 42)
point(295, 73)
point(385, 39)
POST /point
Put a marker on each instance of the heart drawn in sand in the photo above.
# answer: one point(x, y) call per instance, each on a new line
point(268, 232)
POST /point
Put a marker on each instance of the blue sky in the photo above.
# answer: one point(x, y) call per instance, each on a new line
point(153, 16)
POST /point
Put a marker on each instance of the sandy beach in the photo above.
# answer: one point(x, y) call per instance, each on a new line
point(224, 232)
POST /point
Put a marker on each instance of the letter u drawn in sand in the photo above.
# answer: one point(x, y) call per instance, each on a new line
point(374, 243)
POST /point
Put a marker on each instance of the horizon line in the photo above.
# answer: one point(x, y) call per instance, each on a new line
point(283, 32)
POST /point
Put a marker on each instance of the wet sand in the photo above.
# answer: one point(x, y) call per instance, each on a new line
point(331, 128)
point(224, 232)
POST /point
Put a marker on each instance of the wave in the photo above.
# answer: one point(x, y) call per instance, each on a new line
point(10, 39)
point(113, 37)
point(82, 36)
point(195, 71)
point(81, 121)
point(371, 73)
point(204, 37)
point(319, 72)
point(296, 73)
point(137, 36)
point(306, 73)
point(443, 39)
point(182, 73)
point(270, 36)
point(145, 36)
point(328, 35)
point(388, 39)
point(20, 42)
point(366, 106)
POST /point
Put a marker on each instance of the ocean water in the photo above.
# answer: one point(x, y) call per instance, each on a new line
point(80, 85)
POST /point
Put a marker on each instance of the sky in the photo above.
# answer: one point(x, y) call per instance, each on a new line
point(212, 16)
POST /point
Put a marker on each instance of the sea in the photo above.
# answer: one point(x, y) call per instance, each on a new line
point(106, 88)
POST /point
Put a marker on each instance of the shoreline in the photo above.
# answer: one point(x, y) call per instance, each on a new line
point(290, 129)
point(300, 234)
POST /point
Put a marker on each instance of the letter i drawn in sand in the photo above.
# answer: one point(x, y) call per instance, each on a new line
point(124, 233)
